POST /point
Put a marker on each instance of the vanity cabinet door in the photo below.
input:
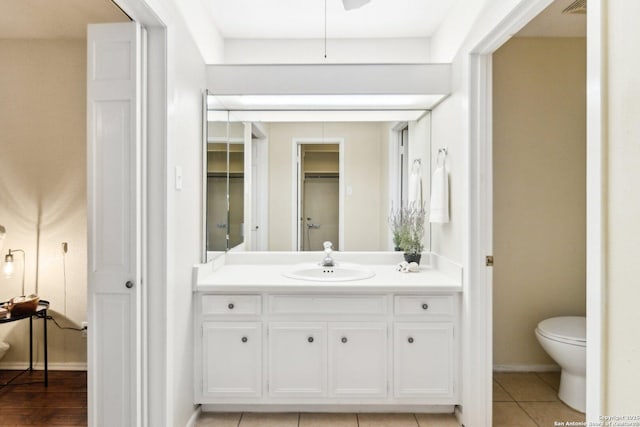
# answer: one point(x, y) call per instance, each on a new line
point(358, 359)
point(297, 359)
point(232, 359)
point(424, 360)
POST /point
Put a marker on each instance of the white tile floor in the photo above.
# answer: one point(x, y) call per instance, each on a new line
point(519, 399)
point(530, 400)
point(250, 419)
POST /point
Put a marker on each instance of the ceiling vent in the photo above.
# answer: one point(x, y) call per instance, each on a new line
point(578, 6)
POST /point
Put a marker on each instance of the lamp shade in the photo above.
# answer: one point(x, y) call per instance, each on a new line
point(8, 268)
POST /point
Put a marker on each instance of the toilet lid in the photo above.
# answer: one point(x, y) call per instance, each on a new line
point(572, 328)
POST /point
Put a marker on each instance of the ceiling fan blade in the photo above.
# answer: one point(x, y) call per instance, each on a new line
point(354, 4)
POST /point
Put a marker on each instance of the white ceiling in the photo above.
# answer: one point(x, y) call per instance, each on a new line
point(54, 19)
point(265, 19)
point(304, 19)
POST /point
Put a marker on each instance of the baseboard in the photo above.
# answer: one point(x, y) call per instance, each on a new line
point(526, 368)
point(194, 417)
point(39, 366)
point(275, 407)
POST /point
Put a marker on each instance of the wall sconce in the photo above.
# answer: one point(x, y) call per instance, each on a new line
point(9, 266)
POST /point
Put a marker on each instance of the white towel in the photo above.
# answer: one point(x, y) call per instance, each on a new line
point(415, 186)
point(439, 206)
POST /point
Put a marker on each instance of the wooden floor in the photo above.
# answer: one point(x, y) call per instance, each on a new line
point(63, 403)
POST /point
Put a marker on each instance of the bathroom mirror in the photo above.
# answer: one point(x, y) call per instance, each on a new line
point(289, 181)
point(224, 184)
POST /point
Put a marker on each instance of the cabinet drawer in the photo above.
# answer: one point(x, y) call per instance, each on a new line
point(291, 304)
point(231, 304)
point(430, 305)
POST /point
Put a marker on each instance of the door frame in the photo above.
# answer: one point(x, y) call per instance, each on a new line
point(295, 188)
point(479, 370)
point(259, 187)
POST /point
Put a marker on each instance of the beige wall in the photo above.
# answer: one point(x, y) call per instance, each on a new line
point(539, 189)
point(621, 348)
point(365, 172)
point(43, 186)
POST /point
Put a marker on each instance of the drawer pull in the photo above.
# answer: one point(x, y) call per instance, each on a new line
point(410, 339)
point(344, 340)
point(425, 306)
point(245, 339)
point(310, 339)
point(230, 306)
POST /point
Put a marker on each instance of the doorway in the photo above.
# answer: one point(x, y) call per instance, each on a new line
point(480, 188)
point(319, 175)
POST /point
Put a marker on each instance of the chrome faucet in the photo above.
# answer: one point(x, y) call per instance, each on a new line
point(327, 261)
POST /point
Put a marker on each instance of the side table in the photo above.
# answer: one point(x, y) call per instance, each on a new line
point(41, 312)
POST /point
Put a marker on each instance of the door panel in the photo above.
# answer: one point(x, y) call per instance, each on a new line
point(114, 190)
point(358, 359)
point(424, 359)
point(297, 359)
point(232, 359)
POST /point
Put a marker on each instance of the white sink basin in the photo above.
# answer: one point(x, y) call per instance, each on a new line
point(341, 272)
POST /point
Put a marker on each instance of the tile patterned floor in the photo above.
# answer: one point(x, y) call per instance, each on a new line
point(249, 419)
point(529, 400)
point(519, 399)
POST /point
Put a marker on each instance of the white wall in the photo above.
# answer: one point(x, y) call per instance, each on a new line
point(457, 39)
point(311, 51)
point(184, 216)
point(175, 217)
point(43, 190)
point(622, 174)
point(205, 35)
point(448, 131)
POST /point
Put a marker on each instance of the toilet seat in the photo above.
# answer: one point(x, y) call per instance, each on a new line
point(567, 329)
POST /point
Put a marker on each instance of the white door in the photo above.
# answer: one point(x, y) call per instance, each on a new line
point(424, 359)
point(358, 359)
point(114, 190)
point(259, 193)
point(232, 359)
point(297, 359)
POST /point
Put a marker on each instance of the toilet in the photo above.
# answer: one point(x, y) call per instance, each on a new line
point(565, 340)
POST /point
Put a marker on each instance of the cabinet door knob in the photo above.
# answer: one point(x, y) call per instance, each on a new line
point(230, 306)
point(129, 284)
point(310, 339)
point(344, 340)
point(425, 306)
point(410, 339)
point(245, 339)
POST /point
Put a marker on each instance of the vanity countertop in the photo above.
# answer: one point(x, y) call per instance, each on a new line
point(257, 277)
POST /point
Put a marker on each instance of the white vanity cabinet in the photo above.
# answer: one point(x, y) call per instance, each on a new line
point(358, 359)
point(231, 356)
point(297, 359)
point(334, 349)
point(425, 356)
point(424, 360)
